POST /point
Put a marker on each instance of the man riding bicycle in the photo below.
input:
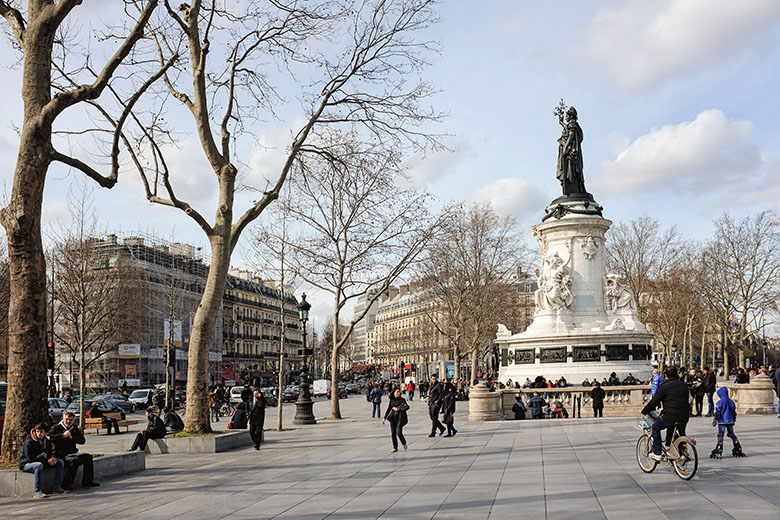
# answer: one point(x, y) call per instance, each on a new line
point(673, 394)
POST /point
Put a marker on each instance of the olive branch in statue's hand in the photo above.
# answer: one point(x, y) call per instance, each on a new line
point(560, 110)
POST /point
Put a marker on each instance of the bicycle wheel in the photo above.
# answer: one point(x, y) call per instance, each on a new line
point(644, 446)
point(688, 463)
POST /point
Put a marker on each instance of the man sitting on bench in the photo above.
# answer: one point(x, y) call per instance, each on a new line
point(64, 437)
point(97, 413)
point(155, 429)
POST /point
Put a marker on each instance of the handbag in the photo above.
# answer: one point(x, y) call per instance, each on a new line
point(448, 419)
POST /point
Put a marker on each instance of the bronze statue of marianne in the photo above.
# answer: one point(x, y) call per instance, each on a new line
point(570, 167)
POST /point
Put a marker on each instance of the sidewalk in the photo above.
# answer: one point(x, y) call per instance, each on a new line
point(531, 469)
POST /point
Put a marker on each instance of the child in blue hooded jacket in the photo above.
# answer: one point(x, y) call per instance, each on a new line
point(725, 417)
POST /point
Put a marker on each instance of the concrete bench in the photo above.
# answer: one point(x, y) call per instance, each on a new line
point(15, 483)
point(97, 422)
point(202, 444)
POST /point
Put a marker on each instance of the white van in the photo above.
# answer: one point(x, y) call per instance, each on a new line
point(320, 387)
point(235, 394)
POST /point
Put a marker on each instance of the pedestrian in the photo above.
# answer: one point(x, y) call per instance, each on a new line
point(257, 418)
point(774, 375)
point(369, 388)
point(376, 400)
point(708, 385)
point(655, 382)
point(155, 429)
point(64, 437)
point(598, 394)
point(239, 419)
point(246, 394)
point(519, 408)
point(434, 406)
point(396, 416)
point(537, 404)
point(698, 392)
point(410, 390)
point(424, 390)
point(36, 455)
point(448, 409)
point(725, 417)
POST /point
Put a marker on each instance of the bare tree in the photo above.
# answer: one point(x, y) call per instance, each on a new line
point(359, 232)
point(742, 278)
point(353, 65)
point(5, 296)
point(94, 308)
point(468, 277)
point(641, 251)
point(52, 63)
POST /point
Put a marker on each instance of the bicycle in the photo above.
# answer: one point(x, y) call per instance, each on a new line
point(226, 410)
point(681, 454)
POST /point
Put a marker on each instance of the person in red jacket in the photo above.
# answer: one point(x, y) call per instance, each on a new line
point(410, 390)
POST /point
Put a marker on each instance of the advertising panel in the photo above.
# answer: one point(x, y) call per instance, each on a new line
point(129, 351)
point(174, 334)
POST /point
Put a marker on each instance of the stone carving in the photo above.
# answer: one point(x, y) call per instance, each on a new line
point(570, 164)
point(524, 357)
point(592, 353)
point(490, 359)
point(617, 324)
point(554, 292)
point(617, 296)
point(617, 352)
point(553, 355)
point(590, 247)
point(503, 332)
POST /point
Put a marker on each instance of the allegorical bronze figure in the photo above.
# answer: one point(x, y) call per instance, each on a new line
point(570, 164)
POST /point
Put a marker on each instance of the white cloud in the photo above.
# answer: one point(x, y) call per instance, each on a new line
point(644, 43)
point(513, 196)
point(425, 169)
point(698, 155)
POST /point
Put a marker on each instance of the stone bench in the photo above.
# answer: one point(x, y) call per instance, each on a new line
point(15, 483)
point(201, 444)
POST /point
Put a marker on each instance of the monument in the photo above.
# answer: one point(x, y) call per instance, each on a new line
point(585, 323)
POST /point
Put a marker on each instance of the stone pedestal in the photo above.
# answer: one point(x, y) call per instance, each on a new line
point(585, 322)
point(756, 397)
point(484, 405)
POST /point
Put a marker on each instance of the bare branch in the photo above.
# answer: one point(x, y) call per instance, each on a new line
point(15, 20)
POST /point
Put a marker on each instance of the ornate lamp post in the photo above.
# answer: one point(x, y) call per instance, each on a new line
point(303, 406)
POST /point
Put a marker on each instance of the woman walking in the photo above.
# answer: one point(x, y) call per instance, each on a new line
point(396, 415)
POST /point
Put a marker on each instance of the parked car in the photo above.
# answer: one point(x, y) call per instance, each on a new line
point(290, 394)
point(270, 398)
point(353, 388)
point(2, 416)
point(3, 391)
point(235, 394)
point(121, 401)
point(142, 398)
point(181, 397)
point(343, 394)
point(104, 405)
point(56, 408)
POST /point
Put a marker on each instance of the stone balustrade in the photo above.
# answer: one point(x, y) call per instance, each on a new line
point(620, 401)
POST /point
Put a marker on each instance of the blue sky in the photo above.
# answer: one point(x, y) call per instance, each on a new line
point(676, 99)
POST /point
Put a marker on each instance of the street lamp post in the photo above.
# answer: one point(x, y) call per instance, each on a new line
point(303, 406)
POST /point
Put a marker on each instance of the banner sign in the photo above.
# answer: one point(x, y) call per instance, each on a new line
point(130, 371)
point(129, 351)
point(174, 334)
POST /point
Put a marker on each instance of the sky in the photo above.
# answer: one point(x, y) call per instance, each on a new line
point(676, 99)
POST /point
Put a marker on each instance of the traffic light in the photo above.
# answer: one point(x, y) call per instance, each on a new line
point(50, 355)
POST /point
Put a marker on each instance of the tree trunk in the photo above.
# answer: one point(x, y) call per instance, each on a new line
point(474, 361)
point(726, 368)
point(82, 387)
point(27, 272)
point(197, 416)
point(443, 365)
point(279, 390)
point(335, 410)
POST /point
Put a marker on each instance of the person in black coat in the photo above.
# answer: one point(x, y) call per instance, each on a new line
point(173, 423)
point(448, 409)
point(64, 437)
point(155, 429)
point(95, 412)
point(246, 394)
point(708, 384)
point(673, 394)
point(598, 394)
point(434, 405)
point(396, 415)
point(257, 418)
point(519, 408)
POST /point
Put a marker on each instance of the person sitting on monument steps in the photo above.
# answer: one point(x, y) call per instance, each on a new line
point(673, 395)
point(64, 437)
point(598, 394)
point(155, 429)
